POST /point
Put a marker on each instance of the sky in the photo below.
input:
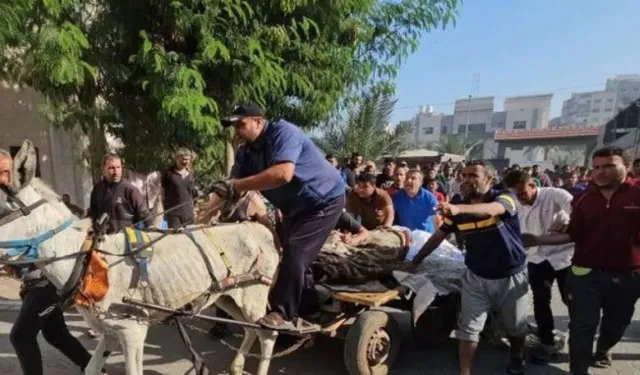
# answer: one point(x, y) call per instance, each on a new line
point(521, 47)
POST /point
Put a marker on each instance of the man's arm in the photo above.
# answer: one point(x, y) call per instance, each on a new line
point(139, 206)
point(504, 204)
point(388, 211)
point(92, 212)
point(432, 243)
point(271, 178)
point(552, 239)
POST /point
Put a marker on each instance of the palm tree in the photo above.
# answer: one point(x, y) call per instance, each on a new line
point(364, 129)
point(454, 144)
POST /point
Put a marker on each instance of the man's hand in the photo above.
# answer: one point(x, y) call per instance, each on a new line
point(448, 209)
point(408, 267)
point(559, 227)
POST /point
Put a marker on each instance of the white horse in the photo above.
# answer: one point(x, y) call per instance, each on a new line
point(177, 272)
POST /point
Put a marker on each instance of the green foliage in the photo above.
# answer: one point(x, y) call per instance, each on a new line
point(159, 74)
point(454, 144)
point(364, 129)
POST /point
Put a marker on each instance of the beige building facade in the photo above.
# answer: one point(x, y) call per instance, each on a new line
point(59, 152)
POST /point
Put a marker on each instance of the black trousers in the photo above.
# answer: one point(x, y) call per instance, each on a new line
point(28, 324)
point(613, 293)
point(302, 239)
point(541, 278)
point(179, 221)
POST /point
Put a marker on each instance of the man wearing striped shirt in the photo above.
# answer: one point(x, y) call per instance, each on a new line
point(543, 210)
point(496, 277)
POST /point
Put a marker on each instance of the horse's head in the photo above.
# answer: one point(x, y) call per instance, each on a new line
point(28, 207)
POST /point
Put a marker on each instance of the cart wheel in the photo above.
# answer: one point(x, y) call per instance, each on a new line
point(372, 344)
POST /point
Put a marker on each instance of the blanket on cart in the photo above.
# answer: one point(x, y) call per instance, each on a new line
point(377, 258)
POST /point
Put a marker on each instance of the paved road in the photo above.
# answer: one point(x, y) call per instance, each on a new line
point(164, 354)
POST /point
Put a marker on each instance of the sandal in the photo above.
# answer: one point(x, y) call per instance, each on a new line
point(275, 321)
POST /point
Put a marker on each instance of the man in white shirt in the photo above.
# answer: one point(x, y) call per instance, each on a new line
point(543, 210)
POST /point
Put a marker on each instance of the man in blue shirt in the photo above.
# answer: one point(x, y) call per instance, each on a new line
point(415, 206)
point(280, 161)
point(496, 276)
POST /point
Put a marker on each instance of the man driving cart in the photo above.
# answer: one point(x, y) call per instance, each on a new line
point(281, 162)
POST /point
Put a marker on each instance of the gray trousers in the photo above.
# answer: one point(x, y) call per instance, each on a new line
point(508, 296)
point(613, 293)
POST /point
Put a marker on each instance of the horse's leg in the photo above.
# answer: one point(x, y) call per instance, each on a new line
point(106, 345)
point(132, 335)
point(267, 342)
point(229, 306)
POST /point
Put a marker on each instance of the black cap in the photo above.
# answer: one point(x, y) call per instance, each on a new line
point(242, 110)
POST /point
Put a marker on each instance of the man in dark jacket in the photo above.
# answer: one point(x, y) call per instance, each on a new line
point(178, 189)
point(119, 199)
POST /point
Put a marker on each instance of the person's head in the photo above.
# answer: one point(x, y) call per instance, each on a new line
point(370, 167)
point(447, 170)
point(535, 170)
point(248, 120)
point(515, 167)
point(112, 167)
point(432, 185)
point(417, 166)
point(583, 172)
point(477, 178)
point(636, 167)
point(66, 198)
point(522, 184)
point(556, 168)
point(389, 167)
point(609, 169)
point(399, 176)
point(413, 182)
point(6, 168)
point(570, 179)
point(403, 164)
point(365, 185)
point(557, 182)
point(356, 159)
point(332, 160)
point(183, 158)
point(431, 173)
point(527, 170)
point(567, 168)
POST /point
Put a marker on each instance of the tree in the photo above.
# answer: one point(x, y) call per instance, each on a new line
point(453, 144)
point(159, 74)
point(364, 129)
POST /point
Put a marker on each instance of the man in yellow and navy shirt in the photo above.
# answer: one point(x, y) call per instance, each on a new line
point(496, 276)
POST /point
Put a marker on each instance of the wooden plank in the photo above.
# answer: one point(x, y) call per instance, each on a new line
point(368, 299)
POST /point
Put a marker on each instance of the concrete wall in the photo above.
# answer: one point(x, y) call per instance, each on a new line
point(428, 128)
point(58, 151)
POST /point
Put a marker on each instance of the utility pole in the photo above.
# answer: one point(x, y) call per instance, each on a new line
point(466, 127)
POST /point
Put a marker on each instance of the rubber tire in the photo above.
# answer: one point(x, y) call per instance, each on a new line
point(355, 347)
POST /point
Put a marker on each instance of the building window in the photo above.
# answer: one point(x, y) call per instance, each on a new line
point(519, 124)
point(443, 130)
point(477, 128)
point(461, 129)
point(498, 125)
point(14, 150)
point(608, 109)
point(596, 110)
point(428, 130)
point(610, 100)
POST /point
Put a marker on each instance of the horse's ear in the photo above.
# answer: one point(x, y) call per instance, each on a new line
point(24, 164)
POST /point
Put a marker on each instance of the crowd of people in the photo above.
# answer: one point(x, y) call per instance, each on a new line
point(522, 229)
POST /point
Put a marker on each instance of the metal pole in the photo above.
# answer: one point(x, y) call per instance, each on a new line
point(466, 127)
point(168, 310)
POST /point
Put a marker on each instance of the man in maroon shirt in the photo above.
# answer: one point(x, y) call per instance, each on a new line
point(605, 222)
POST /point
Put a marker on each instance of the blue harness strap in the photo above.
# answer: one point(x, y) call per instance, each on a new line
point(136, 238)
point(28, 248)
